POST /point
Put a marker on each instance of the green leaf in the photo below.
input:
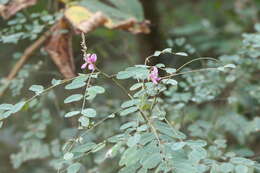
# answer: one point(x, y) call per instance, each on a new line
point(197, 154)
point(124, 75)
point(84, 121)
point(242, 161)
point(128, 125)
point(147, 137)
point(97, 89)
point(84, 148)
point(18, 106)
point(98, 147)
point(38, 89)
point(130, 103)
point(142, 170)
point(55, 82)
point(167, 50)
point(136, 86)
point(170, 70)
point(143, 127)
point(93, 91)
point(152, 161)
point(196, 143)
point(170, 81)
point(178, 145)
point(230, 66)
point(75, 85)
point(130, 156)
point(5, 115)
point(241, 169)
point(68, 156)
point(128, 111)
point(170, 131)
point(74, 168)
point(133, 140)
point(1, 124)
point(157, 53)
point(89, 112)
point(73, 98)
point(71, 114)
point(6, 107)
point(226, 167)
point(181, 54)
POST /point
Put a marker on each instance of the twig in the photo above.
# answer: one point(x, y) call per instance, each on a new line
point(27, 54)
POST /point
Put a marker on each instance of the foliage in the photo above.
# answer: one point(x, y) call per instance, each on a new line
point(198, 116)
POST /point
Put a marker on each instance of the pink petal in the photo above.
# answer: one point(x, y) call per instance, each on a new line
point(87, 57)
point(84, 65)
point(91, 67)
point(155, 70)
point(154, 81)
point(93, 58)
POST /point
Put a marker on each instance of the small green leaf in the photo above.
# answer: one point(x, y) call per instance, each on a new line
point(136, 86)
point(98, 147)
point(241, 160)
point(133, 140)
point(178, 146)
point(1, 124)
point(170, 81)
point(84, 148)
point(55, 82)
point(6, 107)
point(89, 112)
point(73, 98)
point(226, 167)
point(68, 156)
point(74, 168)
point(84, 121)
point(128, 111)
point(71, 114)
point(241, 169)
point(167, 50)
point(181, 54)
point(157, 53)
point(130, 103)
point(128, 125)
point(143, 127)
point(75, 84)
point(152, 161)
point(170, 70)
point(18, 106)
point(230, 66)
point(38, 89)
point(124, 75)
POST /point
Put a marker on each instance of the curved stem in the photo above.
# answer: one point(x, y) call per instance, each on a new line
point(202, 58)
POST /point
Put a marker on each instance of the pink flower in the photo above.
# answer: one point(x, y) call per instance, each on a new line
point(90, 60)
point(154, 75)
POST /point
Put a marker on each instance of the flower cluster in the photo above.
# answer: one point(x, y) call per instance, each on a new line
point(154, 75)
point(90, 60)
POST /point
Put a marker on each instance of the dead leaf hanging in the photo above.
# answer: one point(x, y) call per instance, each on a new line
point(12, 7)
point(60, 49)
point(126, 15)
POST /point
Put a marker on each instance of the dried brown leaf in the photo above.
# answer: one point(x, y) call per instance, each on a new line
point(60, 49)
point(14, 6)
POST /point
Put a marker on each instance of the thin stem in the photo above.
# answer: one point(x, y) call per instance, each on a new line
point(202, 58)
point(85, 94)
point(191, 71)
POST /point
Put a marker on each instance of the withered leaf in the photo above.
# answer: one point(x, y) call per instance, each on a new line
point(12, 7)
point(60, 49)
point(126, 15)
point(83, 20)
